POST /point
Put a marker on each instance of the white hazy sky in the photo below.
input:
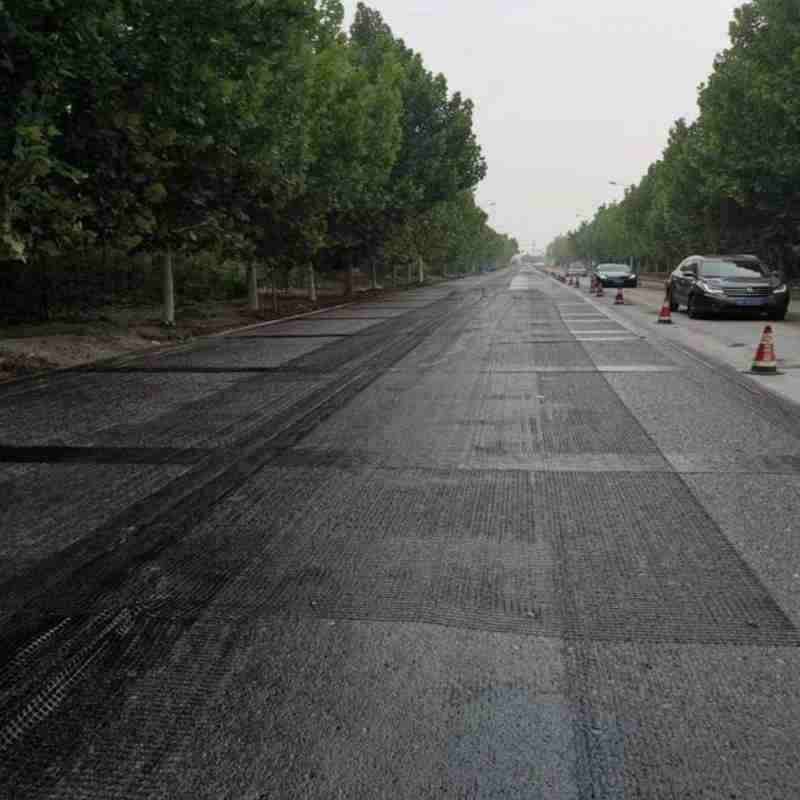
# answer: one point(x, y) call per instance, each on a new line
point(569, 94)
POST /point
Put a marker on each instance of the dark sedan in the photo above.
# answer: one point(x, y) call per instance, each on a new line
point(716, 284)
point(616, 275)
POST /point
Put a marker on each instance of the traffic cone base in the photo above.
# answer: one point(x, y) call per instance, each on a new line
point(665, 316)
point(765, 360)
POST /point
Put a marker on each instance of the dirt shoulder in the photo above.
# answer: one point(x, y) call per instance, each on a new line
point(112, 331)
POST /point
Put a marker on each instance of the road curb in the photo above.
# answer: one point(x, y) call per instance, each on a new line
point(219, 334)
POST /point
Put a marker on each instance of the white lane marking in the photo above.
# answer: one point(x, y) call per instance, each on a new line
point(601, 332)
point(608, 339)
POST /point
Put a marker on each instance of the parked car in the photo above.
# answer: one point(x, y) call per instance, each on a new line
point(739, 283)
point(616, 275)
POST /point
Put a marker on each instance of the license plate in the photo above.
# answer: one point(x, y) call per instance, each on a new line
point(751, 301)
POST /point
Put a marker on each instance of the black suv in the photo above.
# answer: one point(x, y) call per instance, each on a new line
point(713, 284)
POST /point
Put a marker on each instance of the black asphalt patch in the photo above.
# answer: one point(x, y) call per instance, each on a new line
point(316, 326)
point(45, 509)
point(100, 455)
point(177, 370)
point(585, 556)
point(415, 550)
point(354, 318)
point(235, 336)
point(581, 414)
point(168, 514)
point(639, 559)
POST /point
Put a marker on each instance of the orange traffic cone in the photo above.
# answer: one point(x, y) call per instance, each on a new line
point(619, 299)
point(665, 317)
point(765, 360)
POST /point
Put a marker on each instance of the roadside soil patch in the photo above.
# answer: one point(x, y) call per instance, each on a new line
point(28, 348)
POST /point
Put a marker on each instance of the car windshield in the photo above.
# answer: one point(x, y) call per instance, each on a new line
point(614, 268)
point(732, 269)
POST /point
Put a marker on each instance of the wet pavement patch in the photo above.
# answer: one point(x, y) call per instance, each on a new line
point(511, 745)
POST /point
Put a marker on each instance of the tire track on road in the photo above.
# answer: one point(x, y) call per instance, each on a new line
point(52, 636)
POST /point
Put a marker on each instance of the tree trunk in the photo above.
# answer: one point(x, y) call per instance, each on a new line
point(409, 278)
point(421, 265)
point(44, 286)
point(394, 274)
point(252, 287)
point(168, 290)
point(350, 282)
point(373, 277)
point(312, 284)
point(274, 290)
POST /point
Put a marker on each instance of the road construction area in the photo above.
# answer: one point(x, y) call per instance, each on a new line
point(493, 539)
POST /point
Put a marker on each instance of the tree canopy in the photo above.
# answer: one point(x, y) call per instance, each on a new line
point(730, 181)
point(257, 128)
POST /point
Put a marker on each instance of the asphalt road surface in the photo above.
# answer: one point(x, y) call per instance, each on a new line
point(488, 540)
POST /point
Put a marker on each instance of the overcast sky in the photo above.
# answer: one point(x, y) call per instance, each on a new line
point(569, 94)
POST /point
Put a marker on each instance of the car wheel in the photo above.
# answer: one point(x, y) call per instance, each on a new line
point(777, 316)
point(673, 304)
point(691, 308)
